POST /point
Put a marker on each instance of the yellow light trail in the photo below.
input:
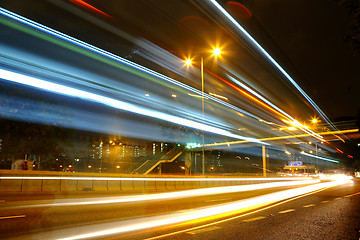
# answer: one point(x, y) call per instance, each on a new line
point(200, 214)
point(284, 137)
point(149, 179)
point(288, 119)
point(167, 195)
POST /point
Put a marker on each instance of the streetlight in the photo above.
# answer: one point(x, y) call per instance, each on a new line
point(314, 120)
point(216, 52)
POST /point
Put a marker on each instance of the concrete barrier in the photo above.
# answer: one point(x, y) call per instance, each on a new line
point(33, 181)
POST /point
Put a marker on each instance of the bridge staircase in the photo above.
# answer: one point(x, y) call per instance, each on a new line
point(145, 167)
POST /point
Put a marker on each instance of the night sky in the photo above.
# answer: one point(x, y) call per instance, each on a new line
point(311, 34)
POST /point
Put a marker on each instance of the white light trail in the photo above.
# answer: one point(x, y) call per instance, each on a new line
point(69, 91)
point(318, 157)
point(196, 214)
point(152, 179)
point(219, 7)
point(317, 136)
point(169, 195)
point(114, 57)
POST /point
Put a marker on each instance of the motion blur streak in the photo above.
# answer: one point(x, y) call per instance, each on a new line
point(88, 6)
point(288, 137)
point(219, 7)
point(111, 56)
point(171, 195)
point(155, 179)
point(246, 94)
point(318, 157)
point(276, 108)
point(57, 88)
point(266, 104)
point(221, 210)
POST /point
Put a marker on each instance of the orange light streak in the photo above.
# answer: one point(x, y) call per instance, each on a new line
point(84, 4)
point(285, 137)
point(339, 150)
point(249, 96)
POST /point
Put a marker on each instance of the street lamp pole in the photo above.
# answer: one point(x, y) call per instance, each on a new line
point(203, 115)
point(317, 160)
point(216, 52)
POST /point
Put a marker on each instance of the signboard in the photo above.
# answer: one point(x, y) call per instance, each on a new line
point(193, 145)
point(295, 163)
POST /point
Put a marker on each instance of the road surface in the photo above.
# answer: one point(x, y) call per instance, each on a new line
point(331, 213)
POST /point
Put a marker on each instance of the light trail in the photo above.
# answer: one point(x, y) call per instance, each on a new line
point(152, 179)
point(90, 7)
point(229, 17)
point(73, 92)
point(114, 57)
point(234, 217)
point(118, 59)
point(249, 96)
point(257, 98)
point(195, 215)
point(276, 109)
point(285, 137)
point(318, 157)
point(167, 195)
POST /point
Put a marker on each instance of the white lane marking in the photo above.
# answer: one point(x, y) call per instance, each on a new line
point(9, 217)
point(338, 198)
point(253, 219)
point(204, 230)
point(216, 200)
point(286, 211)
point(325, 201)
point(310, 205)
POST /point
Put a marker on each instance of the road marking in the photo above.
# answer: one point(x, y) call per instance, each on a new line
point(310, 205)
point(286, 211)
point(324, 201)
point(253, 219)
point(19, 216)
point(204, 230)
point(352, 194)
point(215, 200)
point(338, 198)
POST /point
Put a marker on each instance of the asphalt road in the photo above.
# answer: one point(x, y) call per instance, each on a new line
point(329, 214)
